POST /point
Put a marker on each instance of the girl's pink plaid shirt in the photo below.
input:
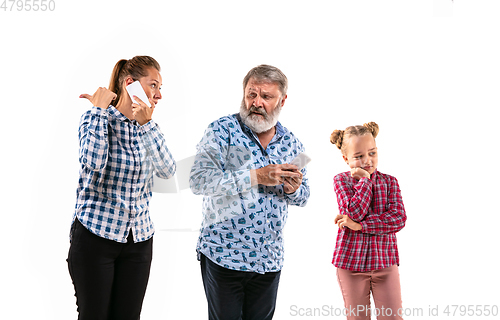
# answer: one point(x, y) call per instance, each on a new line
point(376, 204)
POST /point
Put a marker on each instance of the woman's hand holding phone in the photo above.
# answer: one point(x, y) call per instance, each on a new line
point(142, 113)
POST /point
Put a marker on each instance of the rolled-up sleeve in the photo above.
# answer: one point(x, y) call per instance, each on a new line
point(93, 136)
point(154, 142)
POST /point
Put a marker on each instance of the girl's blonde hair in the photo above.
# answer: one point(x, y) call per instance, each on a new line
point(339, 137)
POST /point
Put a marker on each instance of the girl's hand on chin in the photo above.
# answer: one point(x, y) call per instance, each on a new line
point(358, 173)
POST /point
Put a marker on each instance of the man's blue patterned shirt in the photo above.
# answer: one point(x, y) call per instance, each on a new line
point(242, 228)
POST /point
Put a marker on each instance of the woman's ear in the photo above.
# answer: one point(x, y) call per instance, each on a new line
point(128, 80)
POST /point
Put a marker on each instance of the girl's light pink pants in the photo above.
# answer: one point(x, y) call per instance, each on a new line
point(383, 284)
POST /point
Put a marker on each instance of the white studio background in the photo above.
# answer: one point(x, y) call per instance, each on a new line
point(426, 71)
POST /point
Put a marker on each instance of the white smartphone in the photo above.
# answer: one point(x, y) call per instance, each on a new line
point(135, 89)
point(301, 160)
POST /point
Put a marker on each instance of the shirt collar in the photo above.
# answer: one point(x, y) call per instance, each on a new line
point(280, 130)
point(118, 115)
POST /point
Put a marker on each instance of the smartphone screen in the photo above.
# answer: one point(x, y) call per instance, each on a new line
point(135, 89)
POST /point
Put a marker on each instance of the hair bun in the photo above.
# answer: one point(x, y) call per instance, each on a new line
point(337, 137)
point(373, 127)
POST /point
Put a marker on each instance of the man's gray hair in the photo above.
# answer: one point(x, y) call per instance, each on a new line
point(267, 73)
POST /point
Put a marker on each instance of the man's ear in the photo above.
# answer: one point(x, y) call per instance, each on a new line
point(283, 100)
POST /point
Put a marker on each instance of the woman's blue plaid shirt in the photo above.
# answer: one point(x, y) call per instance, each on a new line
point(118, 158)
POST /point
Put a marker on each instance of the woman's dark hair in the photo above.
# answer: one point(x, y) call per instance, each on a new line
point(135, 67)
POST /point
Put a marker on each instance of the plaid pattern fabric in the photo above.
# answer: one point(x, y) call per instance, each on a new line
point(118, 158)
point(377, 205)
point(242, 226)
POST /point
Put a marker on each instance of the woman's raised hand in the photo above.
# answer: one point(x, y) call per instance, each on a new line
point(101, 98)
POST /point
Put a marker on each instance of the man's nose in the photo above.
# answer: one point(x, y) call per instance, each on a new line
point(258, 102)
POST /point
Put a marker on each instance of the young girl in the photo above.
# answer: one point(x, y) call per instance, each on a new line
point(371, 212)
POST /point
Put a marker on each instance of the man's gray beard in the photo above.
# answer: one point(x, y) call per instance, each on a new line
point(257, 124)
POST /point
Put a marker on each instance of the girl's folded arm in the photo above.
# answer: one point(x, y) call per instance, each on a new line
point(353, 200)
point(391, 220)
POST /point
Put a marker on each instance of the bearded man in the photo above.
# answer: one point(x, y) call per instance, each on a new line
point(242, 168)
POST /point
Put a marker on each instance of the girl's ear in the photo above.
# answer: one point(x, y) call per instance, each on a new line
point(345, 159)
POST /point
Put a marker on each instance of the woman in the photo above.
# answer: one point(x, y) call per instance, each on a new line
point(111, 234)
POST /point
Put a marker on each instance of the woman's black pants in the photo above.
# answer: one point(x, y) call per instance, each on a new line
point(110, 278)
